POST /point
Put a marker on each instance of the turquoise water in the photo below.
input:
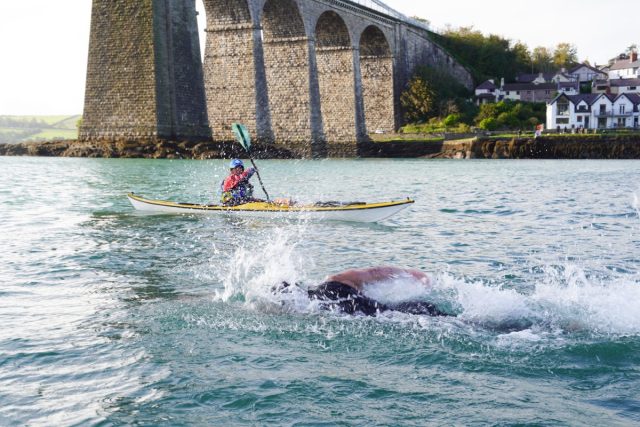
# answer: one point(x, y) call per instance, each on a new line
point(111, 317)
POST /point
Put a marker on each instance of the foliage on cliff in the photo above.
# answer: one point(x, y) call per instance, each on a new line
point(493, 56)
point(434, 93)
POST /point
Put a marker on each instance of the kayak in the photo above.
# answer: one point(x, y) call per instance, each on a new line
point(332, 211)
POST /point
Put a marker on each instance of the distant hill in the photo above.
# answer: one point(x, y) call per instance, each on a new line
point(15, 129)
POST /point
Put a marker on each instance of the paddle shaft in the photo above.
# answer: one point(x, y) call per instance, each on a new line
point(259, 179)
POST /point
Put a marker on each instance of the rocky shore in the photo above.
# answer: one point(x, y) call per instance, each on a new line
point(554, 147)
point(152, 149)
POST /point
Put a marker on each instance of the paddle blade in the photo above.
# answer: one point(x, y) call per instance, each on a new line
point(242, 135)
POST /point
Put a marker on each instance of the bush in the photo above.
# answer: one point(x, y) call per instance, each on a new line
point(451, 120)
point(488, 124)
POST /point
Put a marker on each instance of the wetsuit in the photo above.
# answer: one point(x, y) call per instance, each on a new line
point(349, 300)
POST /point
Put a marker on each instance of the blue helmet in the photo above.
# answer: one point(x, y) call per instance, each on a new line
point(235, 163)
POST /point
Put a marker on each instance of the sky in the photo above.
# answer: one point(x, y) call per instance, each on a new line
point(44, 43)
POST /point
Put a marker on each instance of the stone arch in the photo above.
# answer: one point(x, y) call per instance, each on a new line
point(229, 67)
point(286, 59)
point(335, 66)
point(377, 71)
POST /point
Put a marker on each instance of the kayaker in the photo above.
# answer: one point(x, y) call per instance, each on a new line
point(236, 188)
point(344, 291)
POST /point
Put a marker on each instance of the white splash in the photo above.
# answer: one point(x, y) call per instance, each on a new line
point(261, 265)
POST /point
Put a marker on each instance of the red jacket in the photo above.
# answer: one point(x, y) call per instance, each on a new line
point(232, 181)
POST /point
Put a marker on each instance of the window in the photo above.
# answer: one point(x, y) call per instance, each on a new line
point(582, 107)
point(563, 107)
point(562, 121)
point(632, 87)
point(622, 107)
point(508, 92)
point(517, 92)
point(579, 119)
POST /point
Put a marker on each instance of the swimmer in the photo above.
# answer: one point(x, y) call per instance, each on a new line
point(343, 291)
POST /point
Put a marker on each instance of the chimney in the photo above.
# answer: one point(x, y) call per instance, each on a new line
point(501, 82)
point(634, 56)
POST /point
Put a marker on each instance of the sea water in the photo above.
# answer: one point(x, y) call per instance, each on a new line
point(113, 317)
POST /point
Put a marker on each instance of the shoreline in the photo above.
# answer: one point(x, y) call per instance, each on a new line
point(546, 147)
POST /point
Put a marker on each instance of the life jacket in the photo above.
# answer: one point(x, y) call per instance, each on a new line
point(241, 193)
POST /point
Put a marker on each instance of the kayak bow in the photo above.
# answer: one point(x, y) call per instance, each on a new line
point(357, 212)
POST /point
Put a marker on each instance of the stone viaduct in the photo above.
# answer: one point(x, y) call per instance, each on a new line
point(313, 75)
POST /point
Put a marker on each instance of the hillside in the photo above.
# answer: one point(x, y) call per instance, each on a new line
point(16, 129)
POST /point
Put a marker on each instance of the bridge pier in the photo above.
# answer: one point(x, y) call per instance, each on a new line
point(235, 80)
point(286, 54)
point(144, 78)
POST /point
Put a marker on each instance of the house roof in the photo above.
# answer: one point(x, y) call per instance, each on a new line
point(487, 85)
point(531, 86)
point(569, 84)
point(528, 78)
point(577, 67)
point(624, 64)
point(633, 97)
point(624, 82)
point(589, 98)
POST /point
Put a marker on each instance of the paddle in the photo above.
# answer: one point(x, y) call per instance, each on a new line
point(242, 135)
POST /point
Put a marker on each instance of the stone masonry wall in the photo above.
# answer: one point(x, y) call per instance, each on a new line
point(178, 53)
point(286, 59)
point(377, 85)
point(229, 67)
point(335, 74)
point(120, 96)
point(144, 76)
point(335, 70)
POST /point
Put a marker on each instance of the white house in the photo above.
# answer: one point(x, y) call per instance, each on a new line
point(586, 73)
point(594, 111)
point(486, 92)
point(625, 67)
point(620, 86)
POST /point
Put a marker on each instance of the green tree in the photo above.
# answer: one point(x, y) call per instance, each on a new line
point(565, 55)
point(433, 92)
point(490, 56)
point(418, 100)
point(542, 59)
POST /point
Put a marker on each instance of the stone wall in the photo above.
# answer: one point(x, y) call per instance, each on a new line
point(121, 81)
point(334, 56)
point(286, 59)
point(143, 78)
point(229, 66)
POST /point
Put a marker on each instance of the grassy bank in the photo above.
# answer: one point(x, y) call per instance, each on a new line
point(17, 129)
